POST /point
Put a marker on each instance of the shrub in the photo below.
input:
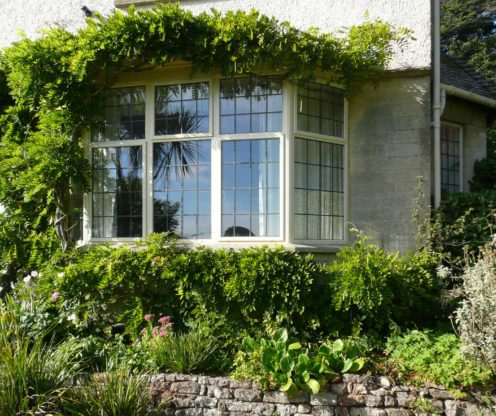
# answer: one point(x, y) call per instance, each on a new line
point(463, 224)
point(476, 315)
point(371, 287)
point(228, 293)
point(426, 355)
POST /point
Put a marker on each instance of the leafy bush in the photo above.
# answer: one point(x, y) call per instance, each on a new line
point(293, 368)
point(476, 315)
point(426, 355)
point(371, 287)
point(463, 224)
point(226, 292)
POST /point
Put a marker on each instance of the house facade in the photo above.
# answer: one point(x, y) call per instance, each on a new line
point(279, 163)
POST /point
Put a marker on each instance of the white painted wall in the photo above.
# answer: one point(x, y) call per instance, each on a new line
point(31, 16)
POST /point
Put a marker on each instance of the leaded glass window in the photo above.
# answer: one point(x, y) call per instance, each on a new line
point(250, 188)
point(320, 109)
point(450, 158)
point(124, 116)
point(182, 108)
point(250, 105)
point(181, 188)
point(319, 190)
point(117, 192)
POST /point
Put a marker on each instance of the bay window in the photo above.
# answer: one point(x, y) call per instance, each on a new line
point(220, 160)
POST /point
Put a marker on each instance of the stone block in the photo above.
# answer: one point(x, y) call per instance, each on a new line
point(245, 384)
point(219, 381)
point(189, 412)
point(376, 412)
point(215, 412)
point(207, 402)
point(379, 392)
point(185, 387)
point(323, 411)
point(374, 401)
point(304, 408)
point(441, 394)
point(263, 408)
point(184, 401)
point(337, 388)
point(239, 406)
point(323, 399)
point(385, 382)
point(404, 399)
point(399, 412)
point(219, 393)
point(186, 377)
point(279, 397)
point(247, 395)
point(286, 409)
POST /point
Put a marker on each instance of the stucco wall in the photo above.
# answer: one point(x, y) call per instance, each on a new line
point(472, 118)
point(390, 147)
point(329, 15)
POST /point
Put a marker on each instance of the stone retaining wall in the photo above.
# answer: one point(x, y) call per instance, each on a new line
point(354, 396)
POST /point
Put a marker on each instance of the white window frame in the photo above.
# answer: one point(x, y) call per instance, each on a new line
point(286, 139)
point(343, 141)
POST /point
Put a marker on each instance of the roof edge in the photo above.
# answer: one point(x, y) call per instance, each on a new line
point(469, 96)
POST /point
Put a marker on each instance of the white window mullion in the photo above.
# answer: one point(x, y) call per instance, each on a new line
point(216, 195)
point(148, 160)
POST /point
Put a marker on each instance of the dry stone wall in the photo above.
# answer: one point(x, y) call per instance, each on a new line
point(354, 396)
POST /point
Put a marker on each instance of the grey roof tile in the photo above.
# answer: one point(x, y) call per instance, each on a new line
point(461, 75)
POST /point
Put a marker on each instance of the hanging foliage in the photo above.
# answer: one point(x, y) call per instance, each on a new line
point(55, 81)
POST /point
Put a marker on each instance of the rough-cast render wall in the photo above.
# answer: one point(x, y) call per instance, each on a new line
point(390, 149)
point(32, 16)
point(328, 15)
point(472, 119)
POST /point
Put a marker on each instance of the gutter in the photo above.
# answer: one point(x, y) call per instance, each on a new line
point(469, 96)
point(437, 105)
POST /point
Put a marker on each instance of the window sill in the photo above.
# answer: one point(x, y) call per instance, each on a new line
point(235, 245)
point(127, 3)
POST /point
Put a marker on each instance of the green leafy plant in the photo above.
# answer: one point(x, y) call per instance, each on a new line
point(476, 314)
point(425, 355)
point(293, 368)
point(370, 287)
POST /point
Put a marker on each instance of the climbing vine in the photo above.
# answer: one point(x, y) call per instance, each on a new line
point(55, 81)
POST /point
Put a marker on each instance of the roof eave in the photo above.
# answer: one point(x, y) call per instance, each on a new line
point(469, 96)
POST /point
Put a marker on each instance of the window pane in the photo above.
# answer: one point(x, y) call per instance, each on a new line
point(181, 108)
point(319, 191)
point(256, 104)
point(123, 116)
point(184, 167)
point(250, 190)
point(117, 192)
point(450, 159)
point(320, 109)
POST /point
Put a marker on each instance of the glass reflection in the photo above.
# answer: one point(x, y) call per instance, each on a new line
point(250, 188)
point(181, 188)
point(117, 192)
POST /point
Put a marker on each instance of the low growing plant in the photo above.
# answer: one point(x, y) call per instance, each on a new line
point(417, 356)
point(292, 368)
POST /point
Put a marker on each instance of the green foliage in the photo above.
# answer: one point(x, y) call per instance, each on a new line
point(293, 368)
point(426, 355)
point(55, 81)
point(468, 32)
point(370, 287)
point(225, 292)
point(476, 314)
point(463, 224)
point(193, 352)
point(117, 391)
